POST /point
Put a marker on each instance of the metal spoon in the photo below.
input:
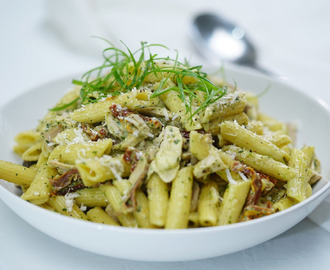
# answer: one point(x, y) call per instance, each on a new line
point(216, 38)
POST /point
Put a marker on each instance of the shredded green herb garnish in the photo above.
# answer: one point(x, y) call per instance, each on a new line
point(64, 106)
point(123, 71)
point(263, 92)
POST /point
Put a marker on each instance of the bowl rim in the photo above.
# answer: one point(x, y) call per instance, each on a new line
point(104, 227)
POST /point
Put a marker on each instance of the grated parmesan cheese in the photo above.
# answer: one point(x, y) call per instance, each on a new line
point(83, 207)
point(69, 200)
point(114, 165)
point(150, 134)
point(175, 116)
point(81, 153)
point(243, 176)
point(166, 115)
point(234, 97)
point(132, 121)
point(230, 179)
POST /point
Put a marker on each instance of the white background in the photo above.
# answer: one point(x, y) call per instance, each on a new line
point(45, 40)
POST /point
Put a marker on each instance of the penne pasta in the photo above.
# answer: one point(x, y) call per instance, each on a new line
point(297, 185)
point(158, 200)
point(16, 174)
point(179, 203)
point(72, 152)
point(40, 188)
point(233, 202)
point(242, 137)
point(91, 197)
point(208, 204)
point(263, 163)
point(97, 214)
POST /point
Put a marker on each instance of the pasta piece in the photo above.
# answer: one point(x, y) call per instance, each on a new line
point(16, 174)
point(116, 201)
point(66, 206)
point(47, 207)
point(296, 186)
point(284, 203)
point(193, 220)
point(200, 144)
point(222, 141)
point(97, 214)
point(208, 204)
point(230, 104)
point(252, 106)
point(32, 153)
point(136, 99)
point(255, 126)
point(141, 214)
point(233, 202)
point(309, 190)
point(127, 220)
point(262, 163)
point(176, 106)
point(39, 190)
point(242, 137)
point(93, 112)
point(213, 127)
point(72, 152)
point(115, 198)
point(210, 164)
point(25, 140)
point(278, 139)
point(158, 200)
point(139, 170)
point(71, 136)
point(123, 186)
point(99, 170)
point(273, 124)
point(309, 151)
point(179, 203)
point(91, 197)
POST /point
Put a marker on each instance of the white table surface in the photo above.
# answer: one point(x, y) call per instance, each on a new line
point(292, 39)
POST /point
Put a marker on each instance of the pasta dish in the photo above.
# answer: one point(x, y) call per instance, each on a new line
point(151, 142)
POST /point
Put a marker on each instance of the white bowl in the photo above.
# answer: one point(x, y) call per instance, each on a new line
point(281, 101)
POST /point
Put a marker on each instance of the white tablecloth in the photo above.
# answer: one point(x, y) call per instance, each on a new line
point(45, 40)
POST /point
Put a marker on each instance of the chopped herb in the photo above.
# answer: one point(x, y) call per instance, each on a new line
point(123, 71)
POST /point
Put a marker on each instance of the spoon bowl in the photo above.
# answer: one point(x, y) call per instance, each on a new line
point(219, 39)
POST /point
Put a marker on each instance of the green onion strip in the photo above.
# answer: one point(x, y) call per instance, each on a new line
point(122, 71)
